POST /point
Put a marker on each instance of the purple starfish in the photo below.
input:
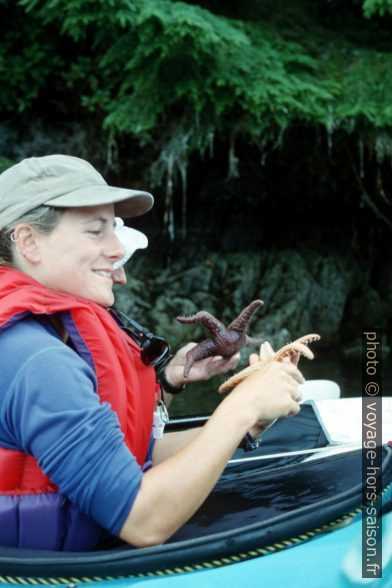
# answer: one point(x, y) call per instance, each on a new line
point(224, 341)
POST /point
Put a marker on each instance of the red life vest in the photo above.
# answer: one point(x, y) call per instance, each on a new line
point(123, 380)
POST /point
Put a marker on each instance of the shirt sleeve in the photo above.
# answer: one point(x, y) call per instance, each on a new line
point(53, 412)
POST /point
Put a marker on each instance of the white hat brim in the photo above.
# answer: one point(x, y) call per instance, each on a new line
point(131, 240)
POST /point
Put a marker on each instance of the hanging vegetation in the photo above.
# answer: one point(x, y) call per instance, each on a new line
point(173, 75)
point(264, 126)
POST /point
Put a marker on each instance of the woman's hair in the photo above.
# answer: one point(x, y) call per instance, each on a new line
point(43, 218)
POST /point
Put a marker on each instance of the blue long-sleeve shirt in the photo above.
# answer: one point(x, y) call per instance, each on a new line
point(49, 408)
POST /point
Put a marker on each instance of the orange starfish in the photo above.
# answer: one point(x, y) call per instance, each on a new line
point(267, 354)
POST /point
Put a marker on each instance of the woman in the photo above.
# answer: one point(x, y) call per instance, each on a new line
point(76, 399)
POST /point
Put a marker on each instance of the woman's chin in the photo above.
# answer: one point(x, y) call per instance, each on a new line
point(103, 298)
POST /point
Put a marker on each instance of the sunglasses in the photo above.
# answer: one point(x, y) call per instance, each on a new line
point(154, 350)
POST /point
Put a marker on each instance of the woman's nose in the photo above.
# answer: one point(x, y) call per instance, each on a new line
point(114, 248)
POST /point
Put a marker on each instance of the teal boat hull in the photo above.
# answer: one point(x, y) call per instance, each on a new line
point(267, 523)
point(331, 560)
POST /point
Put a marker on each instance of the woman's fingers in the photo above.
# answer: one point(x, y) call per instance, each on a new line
point(294, 410)
point(293, 372)
point(273, 391)
point(223, 364)
point(296, 394)
point(294, 378)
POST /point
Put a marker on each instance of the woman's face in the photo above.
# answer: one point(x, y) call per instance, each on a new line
point(77, 257)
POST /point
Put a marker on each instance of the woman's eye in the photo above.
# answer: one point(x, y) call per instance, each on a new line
point(96, 233)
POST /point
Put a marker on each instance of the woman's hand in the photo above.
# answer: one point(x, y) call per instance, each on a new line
point(269, 393)
point(201, 370)
point(262, 425)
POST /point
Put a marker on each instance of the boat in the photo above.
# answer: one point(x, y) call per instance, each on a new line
point(287, 514)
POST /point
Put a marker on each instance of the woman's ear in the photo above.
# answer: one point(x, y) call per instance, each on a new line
point(26, 242)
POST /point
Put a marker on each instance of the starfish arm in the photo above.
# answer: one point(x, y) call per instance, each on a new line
point(206, 319)
point(306, 339)
point(291, 349)
point(242, 320)
point(202, 350)
point(237, 378)
point(298, 346)
point(267, 354)
point(253, 341)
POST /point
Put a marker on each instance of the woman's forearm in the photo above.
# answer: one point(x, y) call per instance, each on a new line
point(173, 490)
point(172, 443)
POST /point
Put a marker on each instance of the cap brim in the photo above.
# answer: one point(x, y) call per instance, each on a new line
point(127, 203)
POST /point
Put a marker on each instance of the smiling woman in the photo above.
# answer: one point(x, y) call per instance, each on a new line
point(78, 399)
point(85, 241)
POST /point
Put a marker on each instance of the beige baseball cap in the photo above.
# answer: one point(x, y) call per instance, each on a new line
point(63, 181)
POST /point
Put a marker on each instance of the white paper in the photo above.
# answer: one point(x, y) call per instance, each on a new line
point(341, 419)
